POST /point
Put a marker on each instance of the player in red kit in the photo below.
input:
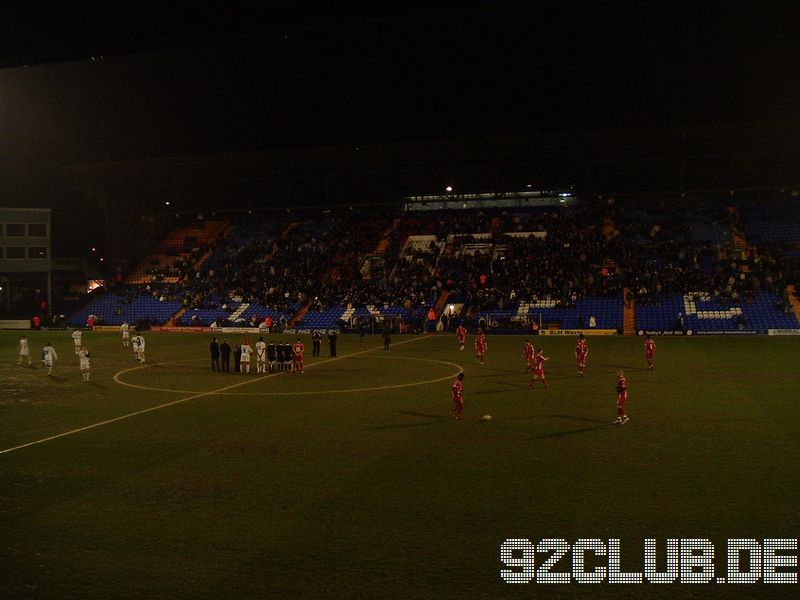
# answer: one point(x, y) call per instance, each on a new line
point(649, 351)
point(458, 401)
point(461, 332)
point(480, 346)
point(538, 370)
point(528, 349)
point(622, 397)
point(581, 352)
point(297, 356)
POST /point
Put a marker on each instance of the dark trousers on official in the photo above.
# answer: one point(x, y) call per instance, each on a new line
point(315, 349)
point(226, 363)
point(215, 363)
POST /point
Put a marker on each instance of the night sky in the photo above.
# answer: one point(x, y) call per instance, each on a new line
point(171, 83)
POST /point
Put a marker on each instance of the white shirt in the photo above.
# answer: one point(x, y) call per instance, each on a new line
point(125, 329)
point(84, 356)
point(76, 335)
point(246, 351)
point(261, 350)
point(49, 354)
point(24, 348)
point(139, 341)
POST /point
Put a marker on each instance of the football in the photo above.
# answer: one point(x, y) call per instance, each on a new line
point(487, 417)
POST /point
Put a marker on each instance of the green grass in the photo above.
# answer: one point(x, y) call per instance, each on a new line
point(267, 490)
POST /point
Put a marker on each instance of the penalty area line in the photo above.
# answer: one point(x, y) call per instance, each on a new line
point(192, 397)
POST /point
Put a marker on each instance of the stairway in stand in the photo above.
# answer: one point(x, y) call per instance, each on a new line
point(179, 243)
point(441, 302)
point(739, 240)
point(299, 316)
point(609, 226)
point(795, 301)
point(239, 311)
point(225, 233)
point(740, 244)
point(383, 244)
point(291, 226)
point(629, 314)
point(174, 318)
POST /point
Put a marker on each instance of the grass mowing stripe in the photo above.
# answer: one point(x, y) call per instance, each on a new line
point(188, 398)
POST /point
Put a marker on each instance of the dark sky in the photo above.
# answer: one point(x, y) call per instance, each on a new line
point(173, 83)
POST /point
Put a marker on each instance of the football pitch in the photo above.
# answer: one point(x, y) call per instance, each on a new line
point(352, 480)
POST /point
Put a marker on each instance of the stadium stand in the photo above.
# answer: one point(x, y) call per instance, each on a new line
point(720, 268)
point(772, 223)
point(115, 308)
point(182, 249)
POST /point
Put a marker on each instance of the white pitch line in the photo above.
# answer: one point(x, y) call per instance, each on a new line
point(188, 398)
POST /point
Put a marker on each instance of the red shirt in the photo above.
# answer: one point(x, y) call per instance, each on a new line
point(461, 332)
point(456, 390)
point(298, 348)
point(540, 362)
point(650, 347)
point(581, 348)
point(622, 388)
point(528, 351)
point(480, 342)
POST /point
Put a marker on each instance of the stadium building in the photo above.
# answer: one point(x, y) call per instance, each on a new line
point(613, 230)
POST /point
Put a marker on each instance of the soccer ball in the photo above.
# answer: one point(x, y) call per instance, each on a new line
point(487, 417)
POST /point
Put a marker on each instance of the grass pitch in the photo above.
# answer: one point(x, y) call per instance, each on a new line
point(352, 480)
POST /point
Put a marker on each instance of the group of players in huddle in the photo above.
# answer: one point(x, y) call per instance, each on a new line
point(534, 362)
point(273, 357)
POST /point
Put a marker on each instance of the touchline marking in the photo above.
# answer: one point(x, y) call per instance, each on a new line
point(117, 379)
point(192, 397)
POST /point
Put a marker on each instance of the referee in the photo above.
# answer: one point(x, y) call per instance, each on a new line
point(316, 338)
point(332, 341)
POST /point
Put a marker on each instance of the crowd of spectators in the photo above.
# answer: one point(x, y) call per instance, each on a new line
point(593, 249)
point(666, 260)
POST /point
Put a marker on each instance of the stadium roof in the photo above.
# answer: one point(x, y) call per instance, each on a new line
point(751, 139)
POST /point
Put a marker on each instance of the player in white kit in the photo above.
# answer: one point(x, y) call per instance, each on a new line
point(126, 334)
point(247, 350)
point(138, 347)
point(24, 350)
point(261, 356)
point(49, 357)
point(76, 337)
point(86, 367)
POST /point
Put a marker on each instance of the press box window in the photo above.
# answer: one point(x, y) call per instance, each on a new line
point(15, 230)
point(15, 252)
point(37, 252)
point(37, 230)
